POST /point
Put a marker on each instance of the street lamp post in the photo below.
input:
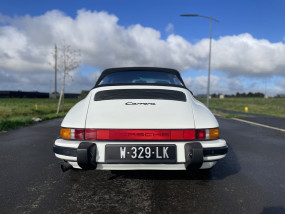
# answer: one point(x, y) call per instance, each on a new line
point(210, 48)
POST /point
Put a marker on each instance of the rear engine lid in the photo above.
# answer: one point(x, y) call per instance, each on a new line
point(138, 108)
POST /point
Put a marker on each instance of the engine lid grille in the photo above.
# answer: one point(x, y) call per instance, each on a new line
point(158, 94)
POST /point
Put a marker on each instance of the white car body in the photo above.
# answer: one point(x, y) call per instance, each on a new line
point(140, 114)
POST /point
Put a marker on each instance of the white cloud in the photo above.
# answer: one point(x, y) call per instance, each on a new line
point(225, 85)
point(243, 54)
point(26, 44)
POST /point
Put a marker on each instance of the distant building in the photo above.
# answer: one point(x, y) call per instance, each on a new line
point(280, 95)
point(54, 95)
point(23, 94)
point(32, 94)
point(221, 96)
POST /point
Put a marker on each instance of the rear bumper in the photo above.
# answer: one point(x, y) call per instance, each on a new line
point(190, 155)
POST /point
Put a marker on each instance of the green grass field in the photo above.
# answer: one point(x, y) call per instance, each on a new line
point(18, 112)
point(270, 106)
point(15, 113)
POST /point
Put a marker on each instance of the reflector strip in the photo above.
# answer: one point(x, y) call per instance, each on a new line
point(177, 134)
point(121, 134)
point(189, 134)
point(139, 134)
point(103, 134)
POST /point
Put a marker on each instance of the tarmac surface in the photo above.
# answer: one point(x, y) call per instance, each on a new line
point(251, 179)
point(278, 122)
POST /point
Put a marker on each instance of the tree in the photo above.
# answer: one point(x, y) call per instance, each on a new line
point(68, 60)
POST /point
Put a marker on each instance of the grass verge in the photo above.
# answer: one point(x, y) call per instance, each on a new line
point(227, 115)
point(18, 112)
point(270, 106)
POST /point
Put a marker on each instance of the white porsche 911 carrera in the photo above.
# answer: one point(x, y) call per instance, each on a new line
point(139, 118)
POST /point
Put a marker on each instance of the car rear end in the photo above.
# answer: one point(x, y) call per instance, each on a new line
point(140, 127)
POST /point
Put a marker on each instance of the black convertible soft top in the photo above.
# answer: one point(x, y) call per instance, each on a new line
point(156, 69)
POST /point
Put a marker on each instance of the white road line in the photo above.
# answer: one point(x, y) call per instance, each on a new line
point(258, 124)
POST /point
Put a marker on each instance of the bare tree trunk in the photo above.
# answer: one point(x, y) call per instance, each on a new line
point(61, 95)
point(68, 62)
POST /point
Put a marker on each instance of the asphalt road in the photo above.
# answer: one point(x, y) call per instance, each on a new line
point(273, 121)
point(251, 179)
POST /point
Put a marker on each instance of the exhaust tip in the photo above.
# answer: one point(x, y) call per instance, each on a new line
point(65, 166)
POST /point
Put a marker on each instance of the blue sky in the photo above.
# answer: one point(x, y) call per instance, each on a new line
point(261, 18)
point(256, 26)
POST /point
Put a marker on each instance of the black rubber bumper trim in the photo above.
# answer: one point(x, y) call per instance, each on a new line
point(215, 151)
point(65, 151)
point(193, 155)
point(86, 155)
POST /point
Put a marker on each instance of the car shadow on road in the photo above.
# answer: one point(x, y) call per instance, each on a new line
point(224, 168)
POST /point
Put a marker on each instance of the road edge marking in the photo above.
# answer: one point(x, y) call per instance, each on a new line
point(259, 124)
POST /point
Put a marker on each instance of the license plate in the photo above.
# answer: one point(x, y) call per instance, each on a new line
point(140, 153)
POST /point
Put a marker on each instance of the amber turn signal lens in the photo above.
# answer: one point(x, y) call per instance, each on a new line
point(65, 133)
point(214, 133)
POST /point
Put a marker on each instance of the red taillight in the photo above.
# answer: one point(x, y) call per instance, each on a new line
point(78, 134)
point(97, 134)
point(139, 134)
point(90, 134)
point(201, 134)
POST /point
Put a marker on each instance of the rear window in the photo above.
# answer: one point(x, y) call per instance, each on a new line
point(141, 78)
